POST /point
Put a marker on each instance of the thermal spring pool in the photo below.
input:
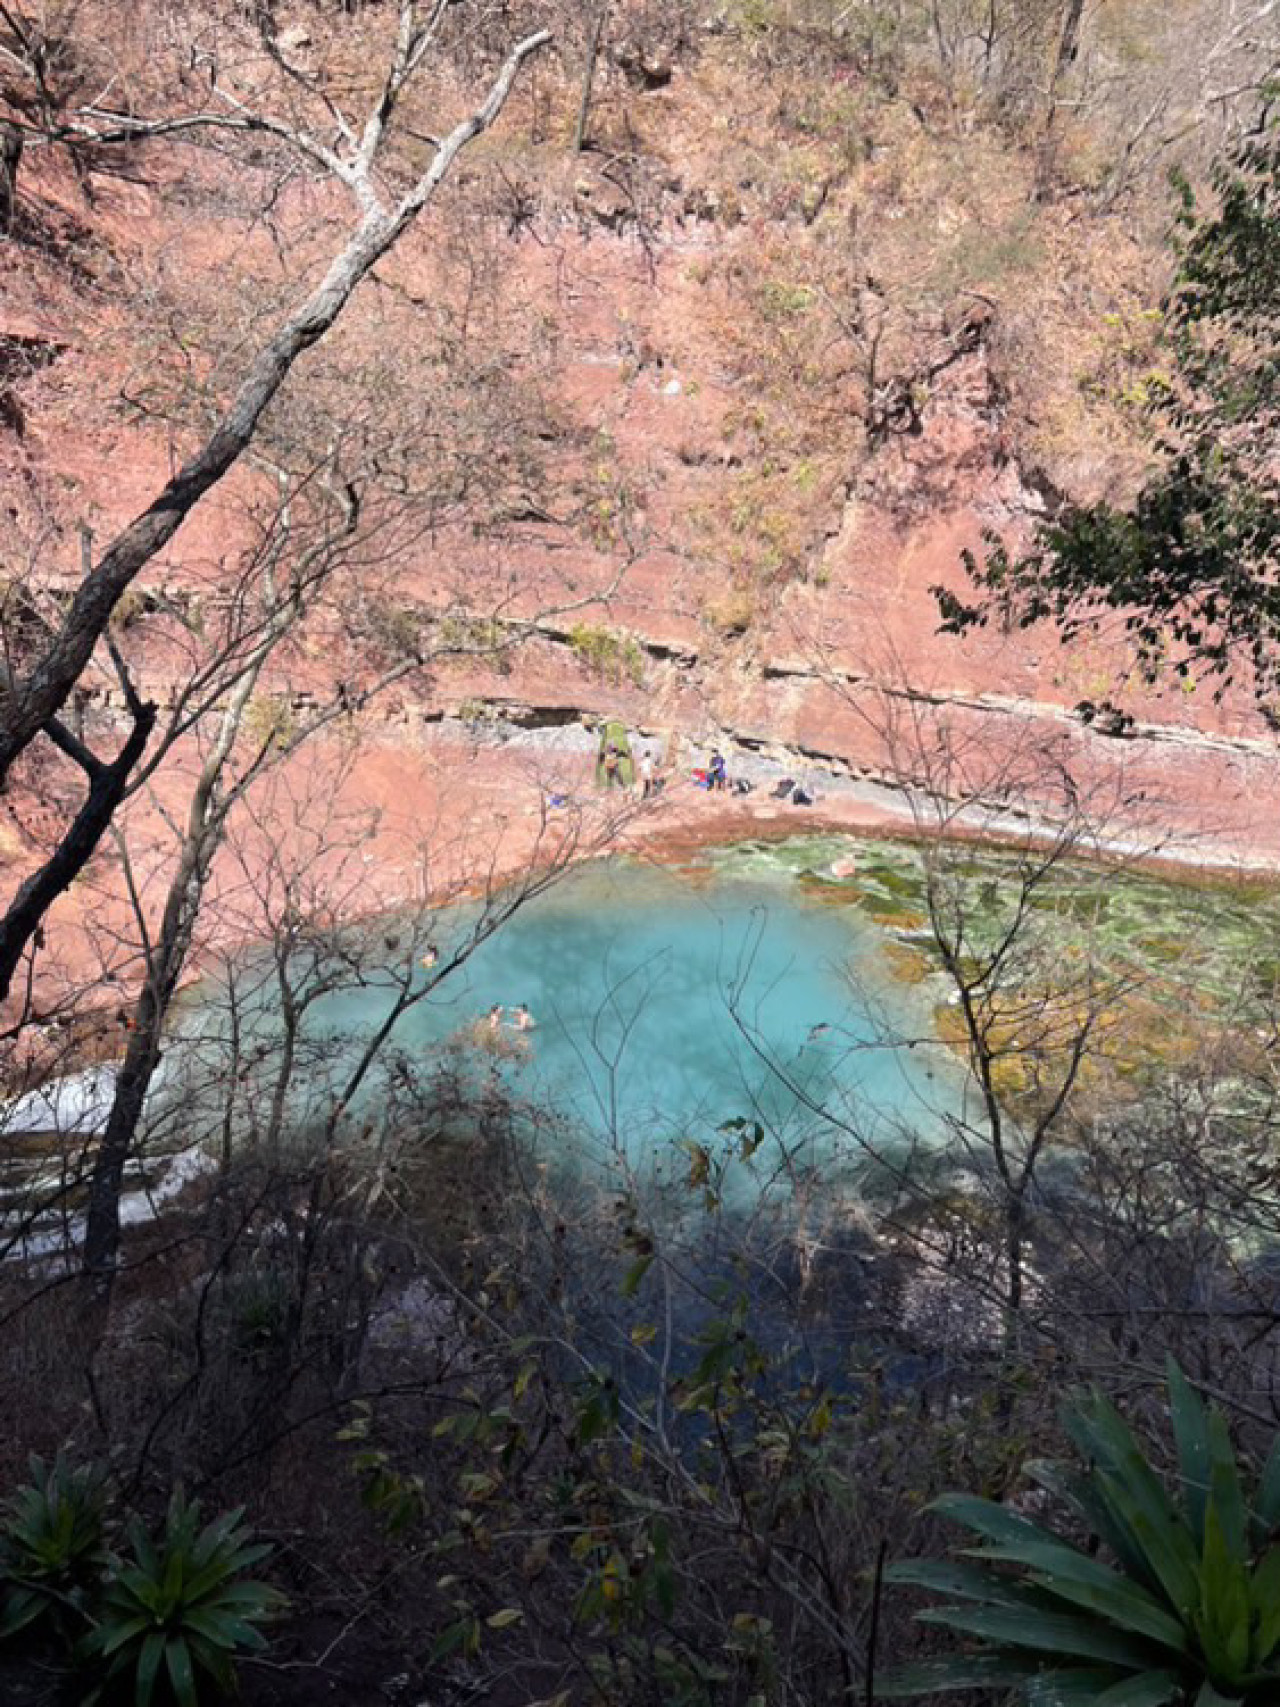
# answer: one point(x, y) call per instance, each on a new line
point(724, 1023)
point(766, 1028)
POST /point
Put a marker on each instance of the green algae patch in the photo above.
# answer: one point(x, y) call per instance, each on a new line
point(1161, 950)
point(1133, 917)
point(1188, 956)
point(892, 880)
point(830, 891)
point(1089, 905)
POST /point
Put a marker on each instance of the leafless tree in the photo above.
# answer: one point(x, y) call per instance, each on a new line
point(357, 159)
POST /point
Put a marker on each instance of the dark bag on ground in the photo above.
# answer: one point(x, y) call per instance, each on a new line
point(783, 789)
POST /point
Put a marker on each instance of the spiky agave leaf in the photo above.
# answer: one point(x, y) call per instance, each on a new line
point(954, 1672)
point(1264, 1592)
point(1223, 1619)
point(183, 1609)
point(1060, 1572)
point(1191, 1436)
point(1082, 1689)
point(1078, 1490)
point(1056, 1636)
point(1129, 1487)
point(53, 1546)
point(1182, 1619)
point(965, 1582)
point(1265, 1512)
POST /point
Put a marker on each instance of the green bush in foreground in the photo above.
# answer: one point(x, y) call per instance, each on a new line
point(1186, 1614)
point(53, 1549)
point(163, 1625)
point(170, 1623)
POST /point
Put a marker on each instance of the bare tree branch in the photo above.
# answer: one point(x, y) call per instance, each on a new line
point(28, 705)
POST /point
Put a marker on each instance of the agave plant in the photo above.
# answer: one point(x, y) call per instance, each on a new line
point(53, 1548)
point(170, 1624)
point(1181, 1610)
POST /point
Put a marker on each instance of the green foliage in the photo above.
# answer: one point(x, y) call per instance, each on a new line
point(1185, 1611)
point(732, 613)
point(615, 1532)
point(863, 32)
point(52, 1548)
point(780, 300)
point(130, 608)
point(615, 658)
point(1225, 307)
point(399, 628)
point(257, 1305)
point(394, 1499)
point(163, 1625)
point(171, 1621)
point(1194, 564)
point(472, 636)
point(757, 16)
point(477, 712)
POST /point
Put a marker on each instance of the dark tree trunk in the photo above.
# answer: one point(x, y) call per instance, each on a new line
point(589, 78)
point(10, 160)
point(1069, 43)
point(102, 1221)
point(107, 784)
point(1068, 48)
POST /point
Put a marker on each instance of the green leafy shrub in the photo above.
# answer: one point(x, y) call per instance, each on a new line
point(615, 658)
point(169, 1624)
point(53, 1548)
point(256, 1305)
point(1182, 1609)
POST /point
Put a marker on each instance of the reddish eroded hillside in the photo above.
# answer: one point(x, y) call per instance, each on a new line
point(685, 426)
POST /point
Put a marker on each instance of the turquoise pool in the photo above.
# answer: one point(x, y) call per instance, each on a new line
point(667, 1004)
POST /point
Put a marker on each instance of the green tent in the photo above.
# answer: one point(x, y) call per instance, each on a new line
point(614, 734)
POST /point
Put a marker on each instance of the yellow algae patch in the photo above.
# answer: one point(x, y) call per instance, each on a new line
point(908, 965)
point(1033, 1038)
point(900, 919)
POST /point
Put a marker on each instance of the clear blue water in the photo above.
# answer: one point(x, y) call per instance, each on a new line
point(667, 1005)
